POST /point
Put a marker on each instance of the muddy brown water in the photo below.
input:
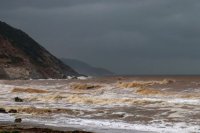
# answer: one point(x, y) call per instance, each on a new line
point(148, 104)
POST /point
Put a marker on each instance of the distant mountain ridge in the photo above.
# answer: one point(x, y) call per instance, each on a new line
point(86, 69)
point(21, 57)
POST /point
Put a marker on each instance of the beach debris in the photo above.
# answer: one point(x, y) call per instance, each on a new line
point(2, 110)
point(18, 120)
point(17, 99)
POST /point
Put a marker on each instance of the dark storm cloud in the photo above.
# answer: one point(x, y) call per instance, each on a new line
point(126, 36)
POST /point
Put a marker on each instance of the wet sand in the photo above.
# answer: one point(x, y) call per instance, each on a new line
point(34, 128)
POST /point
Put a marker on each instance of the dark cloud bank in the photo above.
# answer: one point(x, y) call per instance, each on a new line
point(125, 36)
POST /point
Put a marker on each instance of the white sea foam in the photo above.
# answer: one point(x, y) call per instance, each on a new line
point(185, 101)
point(83, 78)
point(6, 117)
point(80, 77)
point(175, 100)
point(109, 125)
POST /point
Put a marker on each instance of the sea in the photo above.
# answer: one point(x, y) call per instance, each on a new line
point(115, 104)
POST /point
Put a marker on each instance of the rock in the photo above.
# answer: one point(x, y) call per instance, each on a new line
point(2, 110)
point(21, 57)
point(18, 120)
point(17, 99)
point(12, 111)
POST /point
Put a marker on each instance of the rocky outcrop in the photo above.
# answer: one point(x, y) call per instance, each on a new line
point(21, 57)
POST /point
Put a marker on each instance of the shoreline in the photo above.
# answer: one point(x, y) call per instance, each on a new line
point(35, 128)
point(28, 127)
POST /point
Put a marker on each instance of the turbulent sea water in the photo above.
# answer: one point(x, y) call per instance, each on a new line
point(107, 105)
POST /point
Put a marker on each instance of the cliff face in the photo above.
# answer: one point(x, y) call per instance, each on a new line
point(22, 58)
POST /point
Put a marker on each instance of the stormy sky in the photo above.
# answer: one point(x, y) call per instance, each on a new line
point(124, 36)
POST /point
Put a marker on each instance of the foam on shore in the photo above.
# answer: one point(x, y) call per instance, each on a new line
point(109, 125)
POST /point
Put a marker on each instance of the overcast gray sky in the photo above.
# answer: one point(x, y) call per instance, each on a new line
point(124, 36)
